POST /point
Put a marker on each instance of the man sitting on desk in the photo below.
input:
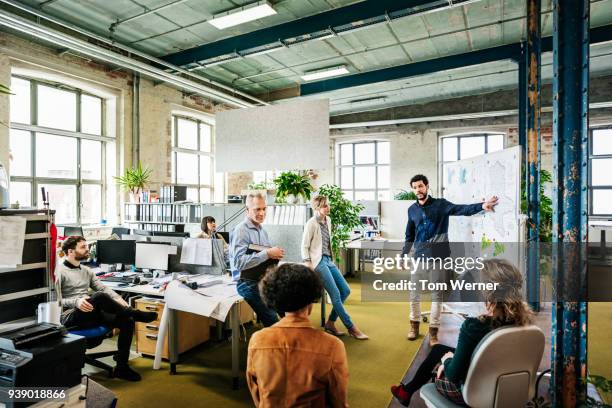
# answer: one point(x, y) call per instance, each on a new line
point(249, 266)
point(103, 307)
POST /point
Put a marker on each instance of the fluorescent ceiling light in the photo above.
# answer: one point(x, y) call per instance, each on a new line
point(242, 15)
point(325, 73)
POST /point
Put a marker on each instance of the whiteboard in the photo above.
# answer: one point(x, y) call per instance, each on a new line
point(472, 180)
point(287, 136)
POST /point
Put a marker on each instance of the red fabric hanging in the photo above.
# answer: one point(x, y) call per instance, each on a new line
point(53, 250)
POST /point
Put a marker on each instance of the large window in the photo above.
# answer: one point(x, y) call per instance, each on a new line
point(362, 170)
point(600, 177)
point(466, 146)
point(57, 142)
point(193, 160)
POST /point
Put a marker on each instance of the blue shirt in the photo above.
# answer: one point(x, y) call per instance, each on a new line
point(427, 226)
point(243, 235)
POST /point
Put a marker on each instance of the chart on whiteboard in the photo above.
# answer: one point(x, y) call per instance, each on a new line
point(473, 180)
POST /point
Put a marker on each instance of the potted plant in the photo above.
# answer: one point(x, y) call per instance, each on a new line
point(344, 216)
point(405, 195)
point(134, 181)
point(291, 185)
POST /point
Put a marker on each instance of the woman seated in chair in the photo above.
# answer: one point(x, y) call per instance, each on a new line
point(209, 230)
point(448, 366)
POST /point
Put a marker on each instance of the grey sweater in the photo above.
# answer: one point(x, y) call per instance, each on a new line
point(75, 283)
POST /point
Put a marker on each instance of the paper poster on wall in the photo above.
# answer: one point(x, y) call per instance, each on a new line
point(291, 135)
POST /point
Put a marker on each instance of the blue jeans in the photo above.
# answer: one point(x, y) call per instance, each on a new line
point(250, 292)
point(337, 288)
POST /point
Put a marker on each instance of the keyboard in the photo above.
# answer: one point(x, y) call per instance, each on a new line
point(123, 279)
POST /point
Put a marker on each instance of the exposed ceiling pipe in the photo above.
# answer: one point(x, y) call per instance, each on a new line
point(460, 116)
point(64, 40)
point(131, 50)
point(145, 13)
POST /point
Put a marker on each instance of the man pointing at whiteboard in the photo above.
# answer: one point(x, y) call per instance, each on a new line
point(427, 236)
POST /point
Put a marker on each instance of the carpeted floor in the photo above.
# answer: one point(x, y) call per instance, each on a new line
point(204, 376)
point(599, 341)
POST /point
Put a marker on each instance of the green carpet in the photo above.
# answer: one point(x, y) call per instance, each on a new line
point(599, 352)
point(204, 376)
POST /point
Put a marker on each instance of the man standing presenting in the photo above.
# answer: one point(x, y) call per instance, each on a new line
point(248, 265)
point(427, 236)
point(102, 307)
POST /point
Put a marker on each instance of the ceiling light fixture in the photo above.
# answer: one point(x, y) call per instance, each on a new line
point(242, 15)
point(325, 73)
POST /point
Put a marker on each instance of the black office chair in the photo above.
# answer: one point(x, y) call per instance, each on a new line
point(94, 337)
point(73, 231)
point(119, 231)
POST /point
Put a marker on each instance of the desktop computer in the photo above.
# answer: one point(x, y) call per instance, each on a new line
point(151, 255)
point(116, 252)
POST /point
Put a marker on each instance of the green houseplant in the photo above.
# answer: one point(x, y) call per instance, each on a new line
point(545, 206)
point(405, 195)
point(135, 179)
point(293, 183)
point(344, 217)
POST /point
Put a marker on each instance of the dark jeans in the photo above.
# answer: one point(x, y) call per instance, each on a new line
point(107, 312)
point(250, 292)
point(424, 373)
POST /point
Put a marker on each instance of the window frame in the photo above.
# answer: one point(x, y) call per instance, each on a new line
point(33, 129)
point(198, 152)
point(460, 136)
point(590, 170)
point(339, 166)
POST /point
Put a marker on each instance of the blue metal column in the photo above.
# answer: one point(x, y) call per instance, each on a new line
point(534, 107)
point(570, 160)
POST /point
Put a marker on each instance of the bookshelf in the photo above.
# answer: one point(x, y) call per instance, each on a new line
point(176, 216)
point(23, 287)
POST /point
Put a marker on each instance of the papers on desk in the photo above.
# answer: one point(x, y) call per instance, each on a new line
point(197, 252)
point(213, 301)
point(12, 236)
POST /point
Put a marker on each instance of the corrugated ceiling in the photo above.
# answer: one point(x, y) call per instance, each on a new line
point(477, 25)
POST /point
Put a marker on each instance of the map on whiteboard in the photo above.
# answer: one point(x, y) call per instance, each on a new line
point(472, 180)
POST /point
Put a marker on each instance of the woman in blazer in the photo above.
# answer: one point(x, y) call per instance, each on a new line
point(209, 227)
point(317, 254)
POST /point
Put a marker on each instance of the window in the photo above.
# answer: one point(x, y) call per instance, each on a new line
point(362, 170)
point(193, 159)
point(600, 178)
point(57, 142)
point(467, 146)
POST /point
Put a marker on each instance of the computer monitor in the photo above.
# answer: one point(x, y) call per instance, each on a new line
point(139, 238)
point(225, 235)
point(152, 255)
point(142, 232)
point(120, 231)
point(73, 231)
point(170, 234)
point(113, 251)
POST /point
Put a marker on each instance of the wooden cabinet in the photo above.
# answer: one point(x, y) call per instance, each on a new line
point(193, 329)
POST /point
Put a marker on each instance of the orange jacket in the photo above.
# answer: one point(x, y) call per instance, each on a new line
point(292, 364)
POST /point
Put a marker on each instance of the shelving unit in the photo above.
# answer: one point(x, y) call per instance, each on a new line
point(23, 287)
point(175, 217)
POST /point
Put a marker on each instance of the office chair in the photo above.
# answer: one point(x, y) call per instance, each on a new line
point(119, 231)
point(94, 337)
point(502, 373)
point(73, 232)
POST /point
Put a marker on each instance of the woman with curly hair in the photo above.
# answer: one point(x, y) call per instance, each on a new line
point(504, 307)
point(291, 363)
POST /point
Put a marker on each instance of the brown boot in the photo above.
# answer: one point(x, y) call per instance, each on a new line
point(414, 331)
point(433, 336)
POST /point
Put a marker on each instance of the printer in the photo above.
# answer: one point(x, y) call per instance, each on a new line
point(40, 355)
